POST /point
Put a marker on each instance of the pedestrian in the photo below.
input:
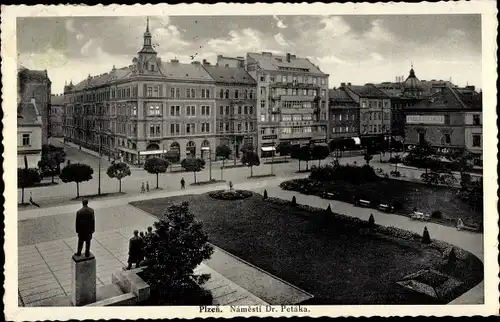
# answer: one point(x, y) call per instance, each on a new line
point(150, 231)
point(183, 183)
point(141, 234)
point(85, 227)
point(142, 188)
point(147, 186)
point(135, 250)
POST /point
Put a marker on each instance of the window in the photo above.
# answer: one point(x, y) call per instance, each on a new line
point(172, 92)
point(174, 129)
point(250, 95)
point(262, 78)
point(205, 127)
point(227, 127)
point(149, 91)
point(363, 104)
point(421, 137)
point(262, 131)
point(476, 140)
point(205, 110)
point(262, 117)
point(205, 93)
point(227, 93)
point(221, 110)
point(190, 110)
point(476, 119)
point(26, 139)
point(283, 79)
point(245, 95)
point(221, 93)
point(155, 130)
point(156, 91)
point(447, 138)
point(175, 110)
point(250, 110)
point(239, 127)
point(236, 94)
point(154, 110)
point(262, 104)
point(190, 128)
point(245, 110)
point(239, 109)
point(227, 110)
point(262, 91)
point(286, 117)
point(297, 117)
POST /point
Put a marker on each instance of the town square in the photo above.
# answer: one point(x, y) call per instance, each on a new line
point(254, 164)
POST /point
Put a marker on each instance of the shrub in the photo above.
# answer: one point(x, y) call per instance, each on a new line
point(76, 172)
point(426, 238)
point(265, 194)
point(176, 247)
point(294, 201)
point(193, 165)
point(437, 214)
point(119, 171)
point(371, 221)
point(349, 173)
point(155, 165)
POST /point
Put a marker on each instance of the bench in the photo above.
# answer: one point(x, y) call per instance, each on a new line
point(385, 208)
point(328, 195)
point(364, 203)
point(420, 216)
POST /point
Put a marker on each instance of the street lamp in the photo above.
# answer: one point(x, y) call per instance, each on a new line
point(99, 174)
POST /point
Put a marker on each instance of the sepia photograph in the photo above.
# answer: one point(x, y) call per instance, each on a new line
point(271, 163)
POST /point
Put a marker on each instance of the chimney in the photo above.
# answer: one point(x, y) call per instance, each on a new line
point(288, 57)
point(348, 84)
point(342, 85)
point(175, 61)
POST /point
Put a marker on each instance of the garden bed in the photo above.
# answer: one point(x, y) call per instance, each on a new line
point(404, 196)
point(338, 258)
point(203, 183)
point(230, 194)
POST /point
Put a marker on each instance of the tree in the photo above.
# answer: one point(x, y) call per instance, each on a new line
point(26, 178)
point(193, 165)
point(250, 159)
point(426, 238)
point(421, 154)
point(223, 151)
point(247, 147)
point(177, 245)
point(119, 171)
point(304, 154)
point(155, 165)
point(284, 148)
point(395, 160)
point(319, 152)
point(76, 172)
point(48, 166)
point(294, 153)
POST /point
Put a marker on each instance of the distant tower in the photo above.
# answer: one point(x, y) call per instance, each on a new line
point(147, 61)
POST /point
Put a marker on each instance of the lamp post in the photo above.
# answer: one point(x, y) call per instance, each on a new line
point(210, 163)
point(99, 174)
point(272, 156)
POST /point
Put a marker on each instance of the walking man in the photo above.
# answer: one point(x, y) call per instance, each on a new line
point(85, 227)
point(183, 183)
point(142, 188)
point(135, 246)
point(147, 186)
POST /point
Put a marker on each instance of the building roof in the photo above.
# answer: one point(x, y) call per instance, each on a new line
point(27, 113)
point(181, 71)
point(448, 98)
point(367, 91)
point(392, 92)
point(268, 61)
point(57, 99)
point(223, 74)
point(33, 75)
point(340, 95)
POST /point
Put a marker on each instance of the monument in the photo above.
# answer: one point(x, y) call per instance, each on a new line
point(83, 267)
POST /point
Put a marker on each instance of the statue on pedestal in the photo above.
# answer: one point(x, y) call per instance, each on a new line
point(85, 227)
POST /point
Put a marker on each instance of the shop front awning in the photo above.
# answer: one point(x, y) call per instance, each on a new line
point(150, 152)
point(268, 148)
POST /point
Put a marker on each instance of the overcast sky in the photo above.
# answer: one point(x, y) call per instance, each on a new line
point(356, 49)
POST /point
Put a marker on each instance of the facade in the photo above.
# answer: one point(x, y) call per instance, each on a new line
point(292, 97)
point(147, 108)
point(36, 84)
point(374, 112)
point(444, 118)
point(29, 134)
point(235, 107)
point(57, 105)
point(343, 115)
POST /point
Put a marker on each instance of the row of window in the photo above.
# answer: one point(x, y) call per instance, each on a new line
point(246, 110)
point(302, 129)
point(296, 79)
point(374, 116)
point(342, 129)
point(296, 117)
point(374, 104)
point(345, 117)
point(189, 93)
point(287, 117)
point(246, 94)
point(374, 128)
point(175, 129)
point(190, 110)
point(296, 104)
point(226, 127)
point(296, 92)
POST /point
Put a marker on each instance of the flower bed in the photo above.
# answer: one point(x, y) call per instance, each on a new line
point(230, 194)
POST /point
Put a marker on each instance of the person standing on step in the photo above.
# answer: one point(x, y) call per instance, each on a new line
point(85, 227)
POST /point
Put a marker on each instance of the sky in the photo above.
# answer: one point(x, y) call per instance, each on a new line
point(358, 49)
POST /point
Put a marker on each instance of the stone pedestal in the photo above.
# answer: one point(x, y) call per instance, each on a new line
point(83, 284)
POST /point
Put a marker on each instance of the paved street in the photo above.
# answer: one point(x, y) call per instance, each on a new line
point(46, 241)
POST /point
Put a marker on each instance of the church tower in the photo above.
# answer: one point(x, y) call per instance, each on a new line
point(147, 62)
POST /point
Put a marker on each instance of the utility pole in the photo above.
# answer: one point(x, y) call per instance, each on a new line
point(272, 155)
point(99, 175)
point(210, 163)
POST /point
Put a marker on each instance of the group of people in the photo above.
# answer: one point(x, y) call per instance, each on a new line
point(136, 247)
point(146, 188)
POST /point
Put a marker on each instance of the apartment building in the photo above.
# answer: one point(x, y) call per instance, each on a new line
point(374, 112)
point(57, 105)
point(343, 115)
point(147, 108)
point(292, 97)
point(29, 134)
point(236, 110)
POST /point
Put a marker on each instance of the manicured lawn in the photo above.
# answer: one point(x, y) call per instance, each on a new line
point(337, 266)
point(405, 196)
